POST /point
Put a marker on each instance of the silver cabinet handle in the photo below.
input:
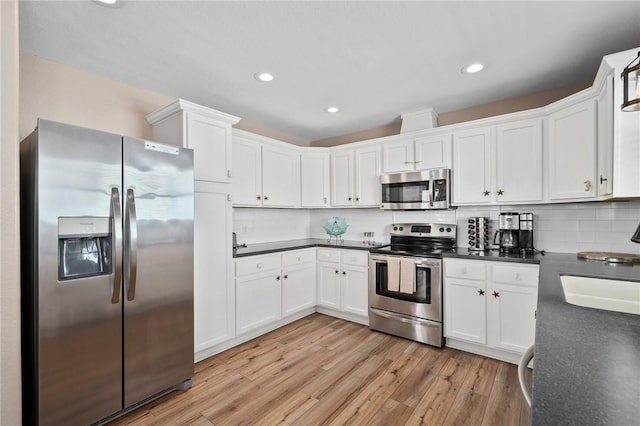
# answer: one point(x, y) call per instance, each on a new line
point(481, 292)
point(131, 230)
point(258, 197)
point(337, 272)
point(344, 273)
point(496, 294)
point(486, 193)
point(500, 192)
point(266, 198)
point(603, 179)
point(116, 211)
point(527, 356)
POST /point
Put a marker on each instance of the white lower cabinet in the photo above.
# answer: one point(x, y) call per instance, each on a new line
point(343, 277)
point(273, 286)
point(490, 306)
point(257, 301)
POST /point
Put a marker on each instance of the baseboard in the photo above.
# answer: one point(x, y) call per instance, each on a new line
point(245, 337)
point(343, 315)
point(498, 354)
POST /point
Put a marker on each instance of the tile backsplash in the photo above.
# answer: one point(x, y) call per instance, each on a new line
point(568, 228)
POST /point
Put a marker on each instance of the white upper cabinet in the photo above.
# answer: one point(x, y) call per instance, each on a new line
point(367, 177)
point(247, 179)
point(417, 153)
point(519, 161)
point(355, 177)
point(572, 152)
point(314, 179)
point(267, 172)
point(605, 138)
point(280, 177)
point(342, 179)
point(471, 172)
point(498, 165)
point(205, 130)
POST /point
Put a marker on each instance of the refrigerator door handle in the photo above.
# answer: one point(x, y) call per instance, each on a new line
point(117, 247)
point(132, 243)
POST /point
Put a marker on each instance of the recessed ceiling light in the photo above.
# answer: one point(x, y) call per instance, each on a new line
point(108, 3)
point(333, 109)
point(263, 76)
point(473, 68)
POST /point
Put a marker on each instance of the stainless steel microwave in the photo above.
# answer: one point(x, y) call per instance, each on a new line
point(421, 190)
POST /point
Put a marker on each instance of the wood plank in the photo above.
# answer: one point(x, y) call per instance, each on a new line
point(391, 413)
point(503, 406)
point(467, 409)
point(434, 406)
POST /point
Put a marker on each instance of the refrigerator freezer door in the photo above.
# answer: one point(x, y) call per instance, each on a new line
point(158, 268)
point(75, 345)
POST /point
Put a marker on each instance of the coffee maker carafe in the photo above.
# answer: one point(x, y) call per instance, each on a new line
point(525, 239)
point(508, 232)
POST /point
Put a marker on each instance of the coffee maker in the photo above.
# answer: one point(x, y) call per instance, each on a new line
point(508, 232)
point(525, 234)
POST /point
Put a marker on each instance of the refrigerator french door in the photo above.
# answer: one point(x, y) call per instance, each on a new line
point(107, 272)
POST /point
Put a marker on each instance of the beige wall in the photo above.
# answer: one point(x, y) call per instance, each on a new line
point(377, 132)
point(62, 93)
point(10, 395)
point(534, 100)
point(506, 106)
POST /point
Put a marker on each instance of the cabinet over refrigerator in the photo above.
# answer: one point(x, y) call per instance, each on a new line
point(107, 273)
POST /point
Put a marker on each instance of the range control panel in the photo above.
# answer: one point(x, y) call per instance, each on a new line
point(423, 230)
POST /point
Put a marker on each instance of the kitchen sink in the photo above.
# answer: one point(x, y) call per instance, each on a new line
point(601, 293)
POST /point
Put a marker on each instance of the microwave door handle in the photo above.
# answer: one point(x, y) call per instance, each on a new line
point(431, 196)
point(117, 245)
point(132, 242)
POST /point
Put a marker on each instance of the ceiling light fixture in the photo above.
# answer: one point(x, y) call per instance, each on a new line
point(264, 77)
point(108, 3)
point(332, 109)
point(473, 68)
point(631, 94)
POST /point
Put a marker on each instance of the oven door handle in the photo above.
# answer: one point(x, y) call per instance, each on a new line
point(403, 318)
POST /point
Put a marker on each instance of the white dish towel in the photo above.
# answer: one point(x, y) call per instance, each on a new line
point(393, 274)
point(407, 276)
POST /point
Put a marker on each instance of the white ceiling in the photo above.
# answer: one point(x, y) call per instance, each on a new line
point(375, 60)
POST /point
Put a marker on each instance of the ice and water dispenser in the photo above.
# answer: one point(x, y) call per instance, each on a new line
point(84, 247)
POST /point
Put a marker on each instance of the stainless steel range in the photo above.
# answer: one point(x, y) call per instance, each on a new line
point(405, 281)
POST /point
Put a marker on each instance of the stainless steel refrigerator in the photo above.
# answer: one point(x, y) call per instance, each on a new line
point(107, 273)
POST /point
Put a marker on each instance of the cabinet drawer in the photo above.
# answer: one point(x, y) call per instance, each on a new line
point(328, 255)
point(257, 264)
point(298, 257)
point(470, 270)
point(520, 275)
point(355, 257)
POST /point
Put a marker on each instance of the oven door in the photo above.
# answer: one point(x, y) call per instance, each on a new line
point(425, 302)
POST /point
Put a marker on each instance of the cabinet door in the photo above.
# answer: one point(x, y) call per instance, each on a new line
point(211, 144)
point(314, 180)
point(471, 167)
point(511, 316)
point(367, 180)
point(605, 139)
point(355, 295)
point(329, 284)
point(397, 156)
point(465, 310)
point(342, 178)
point(213, 276)
point(433, 152)
point(298, 289)
point(280, 177)
point(247, 172)
point(258, 301)
point(572, 152)
point(519, 161)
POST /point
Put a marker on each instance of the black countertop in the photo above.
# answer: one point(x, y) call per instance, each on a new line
point(494, 255)
point(273, 247)
point(586, 361)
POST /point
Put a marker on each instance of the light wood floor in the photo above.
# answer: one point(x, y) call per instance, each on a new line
point(322, 370)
